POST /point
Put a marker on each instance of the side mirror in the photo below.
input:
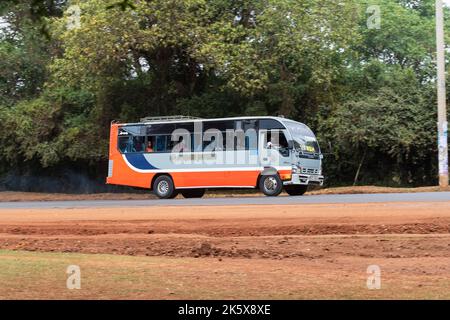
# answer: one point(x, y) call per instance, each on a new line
point(291, 144)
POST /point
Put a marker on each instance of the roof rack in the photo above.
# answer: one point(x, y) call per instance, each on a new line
point(168, 118)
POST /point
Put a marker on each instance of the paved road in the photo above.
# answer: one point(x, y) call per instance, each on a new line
point(339, 198)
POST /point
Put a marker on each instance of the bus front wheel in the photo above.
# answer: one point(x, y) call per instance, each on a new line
point(193, 193)
point(271, 185)
point(164, 188)
point(296, 190)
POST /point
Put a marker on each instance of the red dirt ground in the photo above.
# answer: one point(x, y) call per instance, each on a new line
point(303, 231)
point(390, 234)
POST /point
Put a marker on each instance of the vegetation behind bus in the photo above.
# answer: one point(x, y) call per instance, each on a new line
point(369, 98)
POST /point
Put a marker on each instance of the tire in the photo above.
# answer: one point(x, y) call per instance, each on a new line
point(296, 190)
point(174, 194)
point(193, 193)
point(164, 188)
point(271, 185)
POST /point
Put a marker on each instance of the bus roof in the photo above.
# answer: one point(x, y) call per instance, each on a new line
point(188, 119)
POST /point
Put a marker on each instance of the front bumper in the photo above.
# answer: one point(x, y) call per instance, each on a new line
point(305, 179)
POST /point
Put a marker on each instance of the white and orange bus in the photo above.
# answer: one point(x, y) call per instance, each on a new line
point(178, 154)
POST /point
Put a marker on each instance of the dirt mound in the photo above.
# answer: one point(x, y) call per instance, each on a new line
point(250, 227)
point(290, 232)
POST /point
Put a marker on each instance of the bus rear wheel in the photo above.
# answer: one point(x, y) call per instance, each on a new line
point(164, 188)
point(193, 193)
point(296, 190)
point(271, 185)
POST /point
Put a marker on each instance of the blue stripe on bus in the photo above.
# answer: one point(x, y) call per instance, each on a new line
point(138, 161)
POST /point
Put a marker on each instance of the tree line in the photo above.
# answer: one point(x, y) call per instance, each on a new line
point(360, 73)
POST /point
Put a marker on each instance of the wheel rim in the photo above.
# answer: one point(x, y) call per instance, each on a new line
point(270, 184)
point(163, 187)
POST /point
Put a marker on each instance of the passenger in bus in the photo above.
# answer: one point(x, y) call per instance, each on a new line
point(149, 147)
point(180, 146)
point(138, 146)
point(130, 145)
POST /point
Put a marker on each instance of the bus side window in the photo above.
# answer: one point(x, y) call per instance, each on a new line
point(213, 145)
point(138, 144)
point(283, 141)
point(131, 144)
point(251, 140)
point(276, 139)
point(123, 144)
point(161, 143)
point(150, 145)
point(170, 144)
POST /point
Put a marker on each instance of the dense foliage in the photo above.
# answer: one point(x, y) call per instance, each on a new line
point(368, 92)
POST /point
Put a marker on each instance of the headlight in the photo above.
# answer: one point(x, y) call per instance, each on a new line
point(295, 169)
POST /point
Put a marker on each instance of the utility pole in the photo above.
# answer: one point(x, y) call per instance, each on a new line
point(442, 113)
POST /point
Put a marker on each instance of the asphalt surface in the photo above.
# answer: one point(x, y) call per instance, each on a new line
point(307, 199)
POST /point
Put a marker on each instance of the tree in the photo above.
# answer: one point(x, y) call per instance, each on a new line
point(368, 92)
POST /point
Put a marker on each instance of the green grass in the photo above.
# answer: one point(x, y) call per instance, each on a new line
point(36, 275)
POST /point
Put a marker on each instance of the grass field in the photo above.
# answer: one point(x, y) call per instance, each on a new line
point(33, 275)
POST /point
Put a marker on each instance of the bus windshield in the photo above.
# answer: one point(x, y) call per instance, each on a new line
point(304, 139)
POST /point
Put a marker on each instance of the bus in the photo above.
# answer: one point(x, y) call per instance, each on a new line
point(180, 154)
